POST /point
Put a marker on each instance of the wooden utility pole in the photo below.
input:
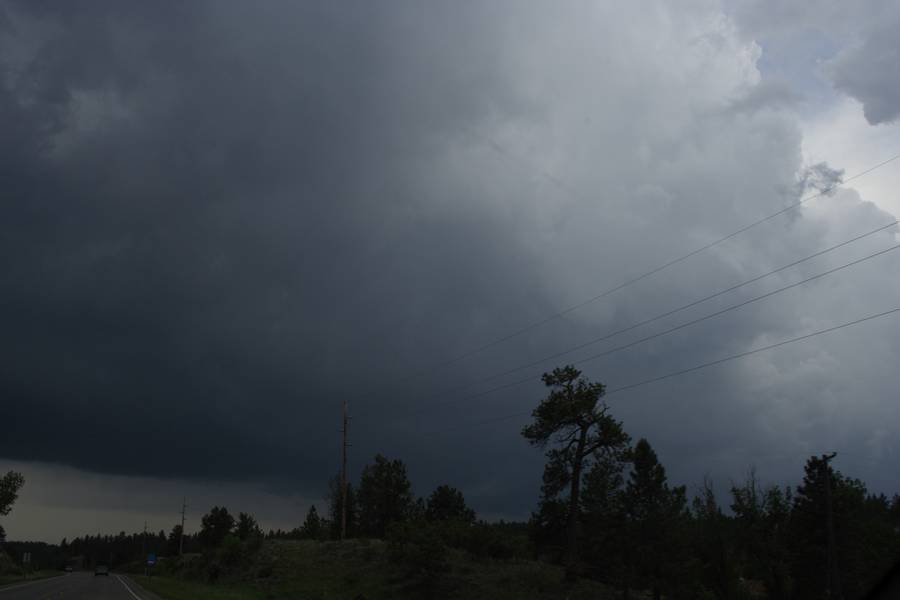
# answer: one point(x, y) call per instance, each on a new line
point(344, 470)
point(144, 549)
point(181, 535)
point(833, 580)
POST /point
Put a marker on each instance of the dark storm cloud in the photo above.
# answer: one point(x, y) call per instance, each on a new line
point(203, 211)
point(870, 72)
point(220, 219)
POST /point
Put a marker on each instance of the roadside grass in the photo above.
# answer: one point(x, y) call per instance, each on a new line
point(320, 570)
point(179, 589)
point(312, 570)
point(9, 579)
point(309, 569)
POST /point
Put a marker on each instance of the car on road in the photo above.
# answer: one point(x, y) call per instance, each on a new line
point(68, 569)
point(101, 570)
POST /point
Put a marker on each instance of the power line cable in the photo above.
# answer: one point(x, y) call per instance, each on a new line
point(668, 313)
point(644, 275)
point(644, 339)
point(750, 352)
point(671, 329)
point(691, 369)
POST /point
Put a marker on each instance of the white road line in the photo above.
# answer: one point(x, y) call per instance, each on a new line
point(122, 581)
point(21, 585)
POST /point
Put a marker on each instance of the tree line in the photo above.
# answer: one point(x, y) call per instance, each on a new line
point(606, 511)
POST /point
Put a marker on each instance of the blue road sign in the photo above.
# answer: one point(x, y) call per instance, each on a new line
point(151, 559)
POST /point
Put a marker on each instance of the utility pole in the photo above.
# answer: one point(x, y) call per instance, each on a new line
point(833, 580)
point(344, 445)
point(144, 548)
point(181, 534)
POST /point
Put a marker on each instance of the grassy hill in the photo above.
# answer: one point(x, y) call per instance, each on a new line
point(358, 569)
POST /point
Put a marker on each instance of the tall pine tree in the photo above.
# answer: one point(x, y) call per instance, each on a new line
point(716, 555)
point(312, 528)
point(602, 512)
point(762, 534)
point(384, 496)
point(574, 421)
point(866, 543)
point(655, 515)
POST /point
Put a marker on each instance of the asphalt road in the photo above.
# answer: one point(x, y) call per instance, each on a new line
point(77, 586)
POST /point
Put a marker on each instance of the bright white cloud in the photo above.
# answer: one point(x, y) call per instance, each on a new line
point(842, 135)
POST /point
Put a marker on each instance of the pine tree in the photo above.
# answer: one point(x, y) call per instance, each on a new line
point(654, 513)
point(448, 504)
point(602, 517)
point(762, 521)
point(247, 527)
point(576, 423)
point(714, 546)
point(174, 541)
point(215, 525)
point(864, 537)
point(384, 496)
point(312, 527)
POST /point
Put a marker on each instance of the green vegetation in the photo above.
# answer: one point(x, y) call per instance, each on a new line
point(179, 589)
point(10, 578)
point(384, 496)
point(607, 524)
point(574, 422)
point(10, 484)
point(371, 569)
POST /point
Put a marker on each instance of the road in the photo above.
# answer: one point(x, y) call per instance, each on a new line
point(77, 586)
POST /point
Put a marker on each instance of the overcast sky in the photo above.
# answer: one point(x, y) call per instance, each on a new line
point(220, 219)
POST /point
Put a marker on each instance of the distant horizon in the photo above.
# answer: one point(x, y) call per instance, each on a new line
point(192, 522)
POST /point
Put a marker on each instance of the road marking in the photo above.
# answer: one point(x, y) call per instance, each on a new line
point(122, 581)
point(21, 585)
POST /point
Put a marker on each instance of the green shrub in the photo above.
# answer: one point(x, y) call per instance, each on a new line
point(419, 548)
point(482, 540)
point(485, 540)
point(231, 552)
point(213, 571)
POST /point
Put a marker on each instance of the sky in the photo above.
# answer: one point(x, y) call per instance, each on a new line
point(222, 219)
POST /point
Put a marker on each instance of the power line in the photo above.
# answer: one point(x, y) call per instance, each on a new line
point(751, 352)
point(644, 339)
point(668, 313)
point(671, 329)
point(644, 275)
point(522, 163)
point(649, 274)
point(690, 369)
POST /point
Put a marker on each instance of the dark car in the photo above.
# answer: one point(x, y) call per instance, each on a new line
point(68, 569)
point(101, 570)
